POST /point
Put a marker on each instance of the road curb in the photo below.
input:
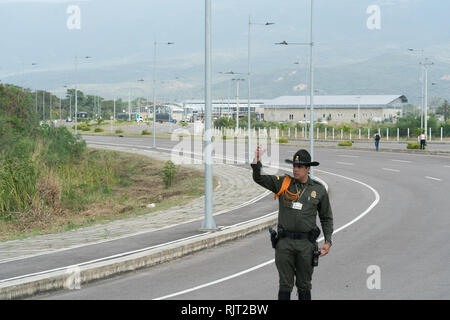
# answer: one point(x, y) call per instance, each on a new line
point(73, 277)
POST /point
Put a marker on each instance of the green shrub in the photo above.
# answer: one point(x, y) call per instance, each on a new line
point(412, 145)
point(99, 130)
point(282, 140)
point(119, 131)
point(85, 129)
point(169, 171)
point(224, 137)
point(146, 133)
point(345, 144)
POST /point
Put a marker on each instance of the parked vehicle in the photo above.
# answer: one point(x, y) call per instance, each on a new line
point(164, 117)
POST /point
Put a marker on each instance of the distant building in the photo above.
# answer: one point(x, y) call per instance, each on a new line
point(334, 109)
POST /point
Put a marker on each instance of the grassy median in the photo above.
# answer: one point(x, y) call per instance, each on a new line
point(102, 187)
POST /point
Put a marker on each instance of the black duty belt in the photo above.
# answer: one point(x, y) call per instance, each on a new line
point(312, 235)
point(296, 235)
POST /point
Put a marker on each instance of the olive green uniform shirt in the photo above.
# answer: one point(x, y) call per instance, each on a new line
point(314, 199)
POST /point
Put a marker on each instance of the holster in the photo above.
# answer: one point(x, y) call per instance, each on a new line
point(314, 235)
point(274, 237)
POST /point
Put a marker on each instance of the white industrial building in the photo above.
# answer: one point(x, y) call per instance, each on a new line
point(332, 109)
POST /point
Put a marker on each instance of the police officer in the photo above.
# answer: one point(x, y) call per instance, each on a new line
point(300, 198)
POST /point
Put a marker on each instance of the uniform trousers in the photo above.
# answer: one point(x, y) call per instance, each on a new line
point(293, 259)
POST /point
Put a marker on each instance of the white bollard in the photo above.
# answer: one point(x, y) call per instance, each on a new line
point(398, 134)
point(359, 137)
point(342, 134)
point(368, 133)
point(442, 133)
point(333, 133)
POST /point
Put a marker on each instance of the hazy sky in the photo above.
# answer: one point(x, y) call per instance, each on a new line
point(117, 32)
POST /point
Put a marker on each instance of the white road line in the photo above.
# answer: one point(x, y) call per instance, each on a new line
point(404, 161)
point(431, 178)
point(393, 170)
point(447, 166)
point(374, 203)
point(347, 156)
point(345, 163)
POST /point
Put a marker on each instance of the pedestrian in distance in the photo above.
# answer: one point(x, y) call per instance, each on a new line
point(300, 199)
point(377, 139)
point(422, 140)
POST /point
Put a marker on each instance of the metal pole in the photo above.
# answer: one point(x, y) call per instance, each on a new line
point(208, 222)
point(76, 96)
point(43, 107)
point(154, 99)
point(50, 106)
point(60, 107)
point(311, 144)
point(248, 84)
point(426, 100)
point(129, 105)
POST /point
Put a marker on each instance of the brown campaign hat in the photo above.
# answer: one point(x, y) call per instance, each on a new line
point(302, 157)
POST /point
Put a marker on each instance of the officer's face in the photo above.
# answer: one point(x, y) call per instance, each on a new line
point(301, 173)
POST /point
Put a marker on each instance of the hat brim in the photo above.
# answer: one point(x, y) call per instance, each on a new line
point(312, 164)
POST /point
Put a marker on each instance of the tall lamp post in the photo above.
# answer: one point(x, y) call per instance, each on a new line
point(311, 86)
point(208, 222)
point(237, 100)
point(311, 82)
point(422, 89)
point(237, 94)
point(154, 85)
point(426, 64)
point(250, 23)
point(76, 95)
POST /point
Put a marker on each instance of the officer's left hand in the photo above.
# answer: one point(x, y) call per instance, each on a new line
point(324, 250)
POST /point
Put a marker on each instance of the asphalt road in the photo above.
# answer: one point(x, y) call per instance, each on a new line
point(401, 228)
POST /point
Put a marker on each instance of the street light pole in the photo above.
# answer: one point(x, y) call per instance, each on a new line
point(208, 222)
point(426, 66)
point(76, 94)
point(237, 101)
point(76, 97)
point(154, 85)
point(422, 82)
point(250, 23)
point(311, 81)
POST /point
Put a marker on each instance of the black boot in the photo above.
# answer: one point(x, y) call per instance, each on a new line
point(284, 295)
point(304, 295)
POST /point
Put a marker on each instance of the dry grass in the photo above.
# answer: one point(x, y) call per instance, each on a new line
point(138, 182)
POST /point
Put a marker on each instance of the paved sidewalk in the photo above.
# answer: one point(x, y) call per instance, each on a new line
point(236, 187)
